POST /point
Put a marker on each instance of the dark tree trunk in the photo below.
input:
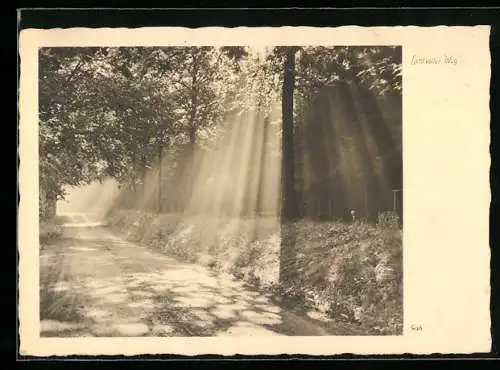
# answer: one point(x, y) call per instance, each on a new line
point(142, 199)
point(288, 200)
point(262, 172)
point(288, 206)
point(48, 204)
point(299, 138)
point(189, 165)
point(192, 127)
point(192, 135)
point(160, 179)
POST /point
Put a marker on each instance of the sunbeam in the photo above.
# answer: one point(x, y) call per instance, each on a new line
point(225, 169)
point(94, 199)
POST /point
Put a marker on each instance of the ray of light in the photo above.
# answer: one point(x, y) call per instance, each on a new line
point(91, 199)
point(381, 173)
point(346, 158)
point(228, 187)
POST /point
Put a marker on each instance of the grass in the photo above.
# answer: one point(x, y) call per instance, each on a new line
point(351, 272)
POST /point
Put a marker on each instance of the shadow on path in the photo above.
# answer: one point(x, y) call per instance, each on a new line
point(93, 283)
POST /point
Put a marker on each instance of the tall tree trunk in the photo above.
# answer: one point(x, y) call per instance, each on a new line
point(133, 199)
point(288, 201)
point(142, 196)
point(262, 167)
point(288, 206)
point(160, 179)
point(299, 144)
point(189, 164)
point(190, 161)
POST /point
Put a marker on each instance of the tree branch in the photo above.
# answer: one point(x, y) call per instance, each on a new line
point(75, 70)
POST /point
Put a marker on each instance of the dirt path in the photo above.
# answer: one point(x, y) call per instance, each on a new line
point(94, 283)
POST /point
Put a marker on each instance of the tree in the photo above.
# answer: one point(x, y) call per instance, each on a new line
point(289, 206)
point(289, 210)
point(117, 111)
point(65, 154)
point(103, 112)
point(201, 78)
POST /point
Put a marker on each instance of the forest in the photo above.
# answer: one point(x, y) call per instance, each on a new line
point(306, 140)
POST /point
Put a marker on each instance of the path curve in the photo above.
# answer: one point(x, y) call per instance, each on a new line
point(95, 283)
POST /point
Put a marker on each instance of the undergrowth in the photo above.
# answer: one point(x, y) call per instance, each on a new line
point(351, 272)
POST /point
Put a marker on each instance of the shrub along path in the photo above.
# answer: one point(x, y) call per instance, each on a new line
point(95, 283)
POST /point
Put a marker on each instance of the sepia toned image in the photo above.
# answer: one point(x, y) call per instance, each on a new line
point(257, 191)
point(207, 191)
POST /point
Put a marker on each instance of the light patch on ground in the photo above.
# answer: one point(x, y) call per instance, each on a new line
point(203, 324)
point(239, 306)
point(98, 314)
point(193, 301)
point(116, 297)
point(162, 330)
point(96, 284)
point(131, 330)
point(102, 331)
point(261, 318)
point(261, 299)
point(318, 316)
point(225, 313)
point(60, 286)
point(159, 287)
point(202, 315)
point(82, 249)
point(53, 325)
point(220, 299)
point(144, 304)
point(105, 290)
point(269, 308)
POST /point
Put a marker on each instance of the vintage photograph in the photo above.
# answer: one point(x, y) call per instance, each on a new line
point(199, 191)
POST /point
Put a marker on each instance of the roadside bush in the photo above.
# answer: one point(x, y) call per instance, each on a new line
point(351, 272)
